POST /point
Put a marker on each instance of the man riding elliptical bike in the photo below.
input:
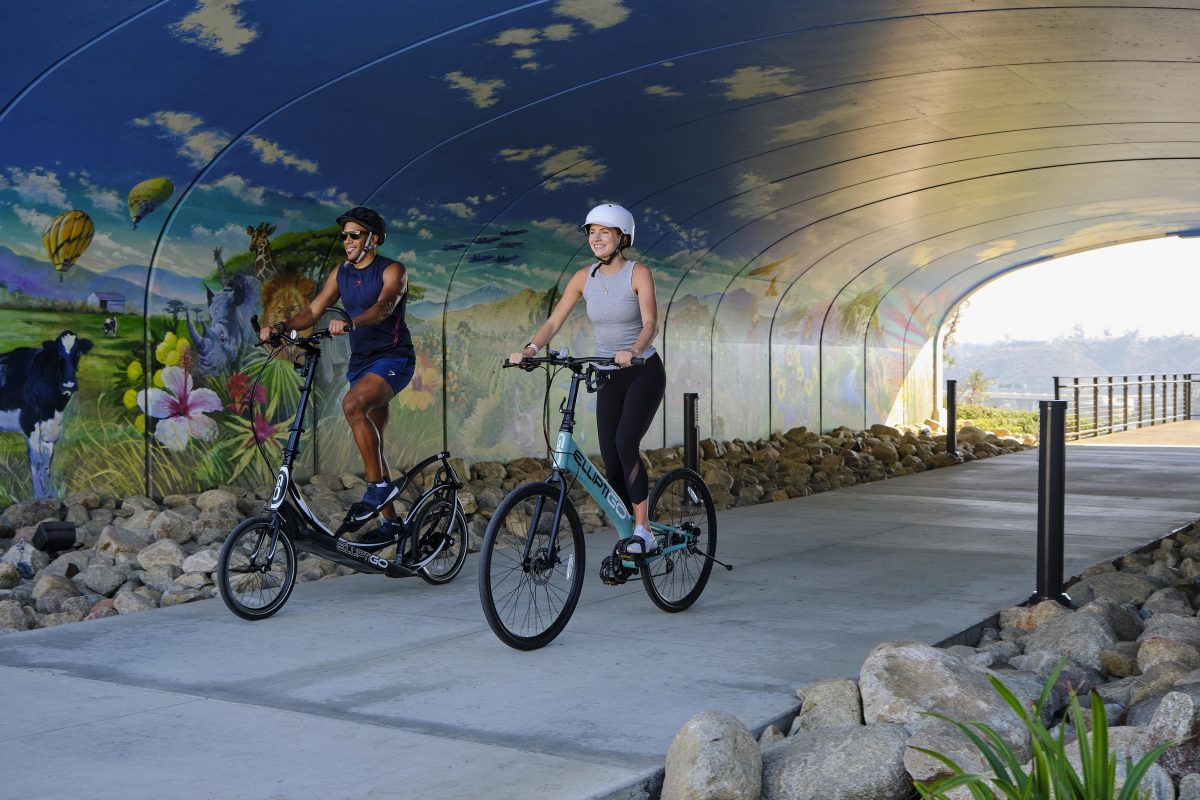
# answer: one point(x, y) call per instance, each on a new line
point(374, 292)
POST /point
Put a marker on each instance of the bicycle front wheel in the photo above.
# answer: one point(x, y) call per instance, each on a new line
point(441, 523)
point(528, 584)
point(681, 501)
point(254, 581)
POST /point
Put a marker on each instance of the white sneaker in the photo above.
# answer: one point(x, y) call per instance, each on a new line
point(646, 536)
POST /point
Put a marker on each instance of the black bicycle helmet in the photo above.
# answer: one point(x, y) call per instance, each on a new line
point(368, 218)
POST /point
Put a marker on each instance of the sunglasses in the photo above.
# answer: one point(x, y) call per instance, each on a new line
point(355, 235)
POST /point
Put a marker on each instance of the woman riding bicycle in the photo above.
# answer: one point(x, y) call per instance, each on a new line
point(624, 313)
point(374, 291)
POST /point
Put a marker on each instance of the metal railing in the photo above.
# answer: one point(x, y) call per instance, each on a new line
point(1102, 404)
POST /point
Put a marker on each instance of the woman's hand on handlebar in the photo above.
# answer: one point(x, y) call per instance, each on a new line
point(623, 358)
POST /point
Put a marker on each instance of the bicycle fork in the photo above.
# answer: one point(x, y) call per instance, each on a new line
point(532, 563)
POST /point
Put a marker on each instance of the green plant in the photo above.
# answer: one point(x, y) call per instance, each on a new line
point(1052, 776)
point(990, 418)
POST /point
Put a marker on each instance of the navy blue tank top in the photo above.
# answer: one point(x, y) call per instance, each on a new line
point(360, 290)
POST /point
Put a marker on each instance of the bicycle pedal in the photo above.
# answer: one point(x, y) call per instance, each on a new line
point(359, 513)
point(613, 572)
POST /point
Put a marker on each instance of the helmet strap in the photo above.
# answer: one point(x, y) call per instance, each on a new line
point(366, 248)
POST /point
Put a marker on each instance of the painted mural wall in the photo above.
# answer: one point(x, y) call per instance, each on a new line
point(201, 187)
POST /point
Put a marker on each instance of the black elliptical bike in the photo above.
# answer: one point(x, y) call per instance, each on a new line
point(256, 569)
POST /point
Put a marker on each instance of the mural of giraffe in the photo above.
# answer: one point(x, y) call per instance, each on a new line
point(260, 245)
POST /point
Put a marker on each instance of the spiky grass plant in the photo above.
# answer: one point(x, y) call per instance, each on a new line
point(1051, 775)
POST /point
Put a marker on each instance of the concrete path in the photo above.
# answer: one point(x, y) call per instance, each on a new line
point(364, 687)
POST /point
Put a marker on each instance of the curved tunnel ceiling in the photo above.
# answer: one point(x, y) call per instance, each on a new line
point(817, 184)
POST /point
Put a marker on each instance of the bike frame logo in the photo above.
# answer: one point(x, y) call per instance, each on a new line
point(281, 482)
point(351, 550)
point(589, 470)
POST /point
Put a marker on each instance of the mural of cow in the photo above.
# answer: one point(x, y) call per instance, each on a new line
point(35, 386)
point(220, 343)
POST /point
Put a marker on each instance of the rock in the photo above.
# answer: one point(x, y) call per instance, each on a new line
point(12, 617)
point(180, 595)
point(161, 577)
point(31, 512)
point(713, 756)
point(1027, 618)
point(68, 564)
point(863, 762)
point(770, 737)
point(1080, 636)
point(51, 583)
point(103, 579)
point(218, 501)
point(828, 703)
point(1120, 659)
point(165, 552)
point(130, 601)
point(28, 560)
point(901, 681)
point(1167, 601)
point(201, 561)
point(171, 525)
point(9, 576)
point(102, 609)
point(1122, 587)
point(1189, 787)
point(120, 540)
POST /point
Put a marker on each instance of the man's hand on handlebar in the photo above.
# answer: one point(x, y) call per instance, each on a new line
point(338, 327)
point(265, 333)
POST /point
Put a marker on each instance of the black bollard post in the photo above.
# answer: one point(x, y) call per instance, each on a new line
point(691, 433)
point(1052, 469)
point(952, 419)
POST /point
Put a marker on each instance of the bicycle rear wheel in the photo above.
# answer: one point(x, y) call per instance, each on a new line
point(529, 588)
point(682, 501)
point(440, 523)
point(254, 583)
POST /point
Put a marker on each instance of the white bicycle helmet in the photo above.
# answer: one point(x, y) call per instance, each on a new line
point(611, 216)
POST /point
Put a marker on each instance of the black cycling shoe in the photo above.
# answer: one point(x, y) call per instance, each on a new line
point(387, 531)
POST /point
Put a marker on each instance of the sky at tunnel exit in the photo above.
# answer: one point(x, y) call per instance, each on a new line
point(1151, 287)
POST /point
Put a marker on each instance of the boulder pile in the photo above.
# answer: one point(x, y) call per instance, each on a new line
point(136, 553)
point(1131, 635)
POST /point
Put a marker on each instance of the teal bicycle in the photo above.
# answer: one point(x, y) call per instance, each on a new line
point(532, 558)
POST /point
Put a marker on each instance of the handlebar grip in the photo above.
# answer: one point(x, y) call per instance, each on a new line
point(637, 361)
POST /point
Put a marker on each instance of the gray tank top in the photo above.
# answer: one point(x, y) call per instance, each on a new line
point(612, 306)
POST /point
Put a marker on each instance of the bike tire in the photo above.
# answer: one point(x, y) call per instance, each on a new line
point(681, 499)
point(527, 602)
point(437, 519)
point(252, 591)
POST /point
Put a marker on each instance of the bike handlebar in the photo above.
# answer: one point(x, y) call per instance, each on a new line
point(561, 359)
point(277, 338)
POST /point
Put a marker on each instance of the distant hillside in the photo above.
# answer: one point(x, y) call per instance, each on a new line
point(482, 295)
point(1031, 366)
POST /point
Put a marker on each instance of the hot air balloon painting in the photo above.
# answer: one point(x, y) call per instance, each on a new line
point(66, 237)
point(147, 196)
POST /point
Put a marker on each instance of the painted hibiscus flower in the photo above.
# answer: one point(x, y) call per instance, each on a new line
point(425, 387)
point(181, 410)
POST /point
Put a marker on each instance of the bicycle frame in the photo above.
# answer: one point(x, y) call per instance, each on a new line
point(569, 459)
point(289, 510)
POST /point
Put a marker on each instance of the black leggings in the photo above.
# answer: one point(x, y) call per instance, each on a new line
point(625, 407)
